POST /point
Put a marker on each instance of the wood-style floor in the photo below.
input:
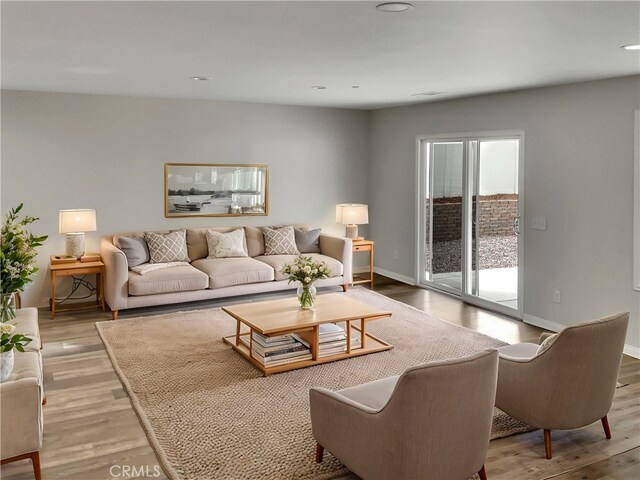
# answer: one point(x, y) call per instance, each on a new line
point(91, 431)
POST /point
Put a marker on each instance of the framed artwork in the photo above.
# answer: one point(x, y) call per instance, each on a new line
point(210, 190)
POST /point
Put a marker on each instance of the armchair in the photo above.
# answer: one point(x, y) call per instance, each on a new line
point(567, 381)
point(433, 421)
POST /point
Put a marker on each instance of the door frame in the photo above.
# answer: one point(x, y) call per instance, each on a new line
point(420, 237)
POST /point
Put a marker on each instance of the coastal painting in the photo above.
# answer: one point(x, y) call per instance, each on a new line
point(208, 190)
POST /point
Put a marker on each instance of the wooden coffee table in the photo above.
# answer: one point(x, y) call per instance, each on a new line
point(280, 317)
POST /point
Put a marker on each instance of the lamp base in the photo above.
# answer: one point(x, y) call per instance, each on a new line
point(75, 244)
point(352, 231)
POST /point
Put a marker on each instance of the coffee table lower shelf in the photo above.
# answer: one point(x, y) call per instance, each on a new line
point(372, 345)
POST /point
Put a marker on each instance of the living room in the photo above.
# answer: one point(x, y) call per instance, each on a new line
point(337, 100)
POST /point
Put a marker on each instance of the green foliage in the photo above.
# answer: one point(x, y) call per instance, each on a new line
point(18, 255)
point(9, 342)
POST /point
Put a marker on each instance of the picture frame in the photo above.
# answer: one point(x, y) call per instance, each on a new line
point(215, 190)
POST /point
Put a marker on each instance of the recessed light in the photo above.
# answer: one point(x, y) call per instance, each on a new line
point(394, 7)
point(200, 79)
point(355, 86)
point(426, 94)
point(631, 47)
point(318, 87)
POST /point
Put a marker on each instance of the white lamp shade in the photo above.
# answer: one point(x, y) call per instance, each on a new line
point(352, 213)
point(83, 220)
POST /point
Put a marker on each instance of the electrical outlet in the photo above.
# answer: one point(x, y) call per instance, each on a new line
point(556, 296)
point(539, 222)
point(395, 254)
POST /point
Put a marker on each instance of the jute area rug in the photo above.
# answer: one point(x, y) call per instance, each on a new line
point(209, 414)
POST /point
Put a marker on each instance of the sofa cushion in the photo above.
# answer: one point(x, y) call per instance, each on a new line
point(255, 241)
point(278, 261)
point(374, 394)
point(226, 272)
point(26, 365)
point(308, 241)
point(26, 323)
point(168, 247)
point(197, 241)
point(178, 279)
point(135, 249)
point(280, 242)
point(226, 245)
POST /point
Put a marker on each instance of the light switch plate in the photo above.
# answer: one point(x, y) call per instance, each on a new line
point(539, 222)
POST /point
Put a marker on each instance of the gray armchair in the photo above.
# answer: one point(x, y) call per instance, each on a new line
point(433, 421)
point(567, 381)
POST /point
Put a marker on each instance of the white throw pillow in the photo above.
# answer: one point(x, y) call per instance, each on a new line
point(167, 247)
point(280, 242)
point(226, 245)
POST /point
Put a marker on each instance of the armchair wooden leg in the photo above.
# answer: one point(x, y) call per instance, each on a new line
point(319, 453)
point(35, 460)
point(345, 287)
point(114, 314)
point(482, 473)
point(605, 426)
point(547, 443)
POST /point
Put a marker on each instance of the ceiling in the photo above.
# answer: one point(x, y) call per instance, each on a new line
point(273, 52)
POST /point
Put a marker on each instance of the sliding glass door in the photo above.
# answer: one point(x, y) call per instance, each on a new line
point(470, 207)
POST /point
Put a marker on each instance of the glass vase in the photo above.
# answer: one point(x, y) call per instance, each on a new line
point(7, 307)
point(306, 296)
point(6, 364)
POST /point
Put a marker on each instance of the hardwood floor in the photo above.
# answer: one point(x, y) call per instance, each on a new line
point(91, 431)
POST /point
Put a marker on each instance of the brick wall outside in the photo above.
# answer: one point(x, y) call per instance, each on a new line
point(497, 213)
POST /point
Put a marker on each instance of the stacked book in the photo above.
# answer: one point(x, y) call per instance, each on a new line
point(333, 340)
point(279, 350)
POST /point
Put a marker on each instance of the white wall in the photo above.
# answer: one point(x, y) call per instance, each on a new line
point(104, 152)
point(578, 172)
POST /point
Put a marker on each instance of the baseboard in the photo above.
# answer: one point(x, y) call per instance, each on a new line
point(556, 327)
point(395, 276)
point(542, 323)
point(632, 351)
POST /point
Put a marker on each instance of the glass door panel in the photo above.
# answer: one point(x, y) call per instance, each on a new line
point(445, 215)
point(496, 218)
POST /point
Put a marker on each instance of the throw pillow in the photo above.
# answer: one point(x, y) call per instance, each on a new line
point(307, 241)
point(167, 247)
point(135, 249)
point(280, 242)
point(547, 342)
point(226, 245)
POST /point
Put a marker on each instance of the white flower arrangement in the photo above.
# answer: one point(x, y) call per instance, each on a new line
point(305, 270)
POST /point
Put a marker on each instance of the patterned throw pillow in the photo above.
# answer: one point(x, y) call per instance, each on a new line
point(167, 247)
point(226, 245)
point(280, 242)
point(308, 241)
point(547, 343)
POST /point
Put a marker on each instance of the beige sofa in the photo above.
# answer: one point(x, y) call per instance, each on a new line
point(21, 397)
point(213, 278)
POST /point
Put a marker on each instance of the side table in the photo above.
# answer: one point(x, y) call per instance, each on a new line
point(364, 246)
point(75, 269)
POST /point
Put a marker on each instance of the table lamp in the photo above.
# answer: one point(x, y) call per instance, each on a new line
point(352, 215)
point(74, 223)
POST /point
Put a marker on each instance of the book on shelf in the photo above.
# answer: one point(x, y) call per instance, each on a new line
point(273, 341)
point(280, 351)
point(276, 361)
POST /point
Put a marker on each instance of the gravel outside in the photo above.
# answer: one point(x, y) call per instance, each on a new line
point(495, 252)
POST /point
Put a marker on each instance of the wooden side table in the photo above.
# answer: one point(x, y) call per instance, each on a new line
point(364, 246)
point(75, 269)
